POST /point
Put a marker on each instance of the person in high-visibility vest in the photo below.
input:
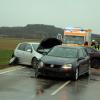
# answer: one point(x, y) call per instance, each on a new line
point(93, 44)
point(97, 45)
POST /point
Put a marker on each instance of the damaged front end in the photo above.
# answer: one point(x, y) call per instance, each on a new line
point(47, 44)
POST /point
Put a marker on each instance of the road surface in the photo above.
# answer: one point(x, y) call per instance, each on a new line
point(18, 83)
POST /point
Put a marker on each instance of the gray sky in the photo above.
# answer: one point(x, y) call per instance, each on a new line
point(78, 13)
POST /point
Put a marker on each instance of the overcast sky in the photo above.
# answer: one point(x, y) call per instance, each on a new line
point(61, 13)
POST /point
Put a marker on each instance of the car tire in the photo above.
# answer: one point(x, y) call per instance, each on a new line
point(76, 74)
point(34, 62)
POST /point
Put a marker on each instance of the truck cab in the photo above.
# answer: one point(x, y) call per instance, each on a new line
point(77, 36)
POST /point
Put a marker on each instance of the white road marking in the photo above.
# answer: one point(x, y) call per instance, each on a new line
point(10, 70)
point(61, 87)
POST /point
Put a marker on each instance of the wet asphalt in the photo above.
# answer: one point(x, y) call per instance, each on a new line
point(21, 85)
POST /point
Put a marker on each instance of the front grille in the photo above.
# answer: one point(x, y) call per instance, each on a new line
point(52, 66)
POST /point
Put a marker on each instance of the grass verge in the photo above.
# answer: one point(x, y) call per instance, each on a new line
point(5, 56)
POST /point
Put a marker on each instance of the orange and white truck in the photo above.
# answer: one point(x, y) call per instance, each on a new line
point(77, 36)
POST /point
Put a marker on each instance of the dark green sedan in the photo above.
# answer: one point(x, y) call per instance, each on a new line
point(64, 61)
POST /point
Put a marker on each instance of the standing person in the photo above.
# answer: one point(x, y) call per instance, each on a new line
point(86, 43)
point(97, 45)
point(93, 44)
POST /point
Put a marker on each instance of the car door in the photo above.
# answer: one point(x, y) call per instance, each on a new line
point(83, 61)
point(28, 54)
point(19, 52)
point(87, 60)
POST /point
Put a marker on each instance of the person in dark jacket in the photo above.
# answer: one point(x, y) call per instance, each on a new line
point(86, 43)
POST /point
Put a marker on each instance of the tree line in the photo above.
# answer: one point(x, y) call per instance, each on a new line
point(31, 31)
point(35, 31)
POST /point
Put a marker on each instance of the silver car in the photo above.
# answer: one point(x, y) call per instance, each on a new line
point(25, 53)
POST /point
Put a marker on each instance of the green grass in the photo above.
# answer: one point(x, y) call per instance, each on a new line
point(5, 56)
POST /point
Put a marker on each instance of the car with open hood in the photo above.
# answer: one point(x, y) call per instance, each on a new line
point(94, 57)
point(28, 53)
point(64, 61)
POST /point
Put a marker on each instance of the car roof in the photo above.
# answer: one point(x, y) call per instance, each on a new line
point(30, 42)
point(78, 47)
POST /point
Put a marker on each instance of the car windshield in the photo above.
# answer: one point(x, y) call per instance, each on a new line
point(63, 52)
point(73, 39)
point(35, 46)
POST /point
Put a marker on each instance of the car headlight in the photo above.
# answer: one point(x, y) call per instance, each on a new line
point(41, 64)
point(67, 66)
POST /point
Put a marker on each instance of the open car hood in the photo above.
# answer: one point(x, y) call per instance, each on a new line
point(47, 44)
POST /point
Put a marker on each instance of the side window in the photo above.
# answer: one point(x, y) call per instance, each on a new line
point(35, 46)
point(93, 50)
point(82, 53)
point(28, 46)
point(22, 46)
point(90, 50)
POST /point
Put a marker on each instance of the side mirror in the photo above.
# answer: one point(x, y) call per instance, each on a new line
point(29, 50)
point(81, 58)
